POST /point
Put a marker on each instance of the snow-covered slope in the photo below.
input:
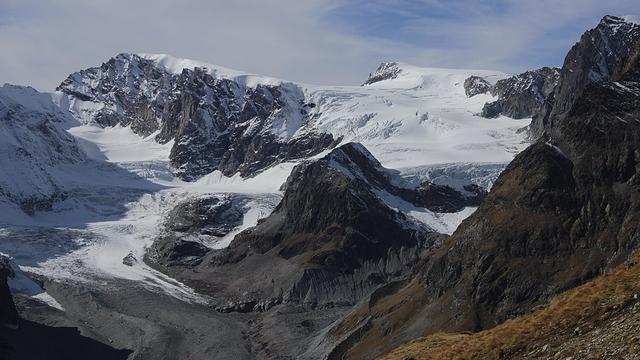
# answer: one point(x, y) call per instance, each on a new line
point(33, 144)
point(419, 116)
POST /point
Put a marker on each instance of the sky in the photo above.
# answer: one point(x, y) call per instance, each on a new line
point(332, 42)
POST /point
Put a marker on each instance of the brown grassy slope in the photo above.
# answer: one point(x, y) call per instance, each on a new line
point(598, 320)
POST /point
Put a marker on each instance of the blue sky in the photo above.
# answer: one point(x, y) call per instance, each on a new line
point(313, 41)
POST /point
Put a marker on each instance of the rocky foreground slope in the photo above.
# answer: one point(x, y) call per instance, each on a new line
point(565, 210)
point(597, 320)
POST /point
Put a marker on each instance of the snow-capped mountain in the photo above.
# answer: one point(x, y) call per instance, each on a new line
point(154, 154)
point(220, 119)
point(124, 136)
point(216, 119)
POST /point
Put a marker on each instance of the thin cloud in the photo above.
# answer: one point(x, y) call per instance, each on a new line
point(313, 41)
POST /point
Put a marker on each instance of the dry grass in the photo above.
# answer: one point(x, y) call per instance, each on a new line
point(585, 307)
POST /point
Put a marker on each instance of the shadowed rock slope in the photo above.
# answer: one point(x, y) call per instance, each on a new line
point(600, 55)
point(21, 339)
point(563, 211)
point(332, 239)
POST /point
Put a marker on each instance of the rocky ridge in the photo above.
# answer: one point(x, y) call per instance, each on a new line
point(215, 122)
point(599, 56)
point(386, 71)
point(519, 96)
point(562, 212)
point(331, 240)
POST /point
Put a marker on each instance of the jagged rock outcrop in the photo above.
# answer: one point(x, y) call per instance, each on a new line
point(475, 85)
point(191, 225)
point(563, 211)
point(330, 241)
point(386, 71)
point(216, 122)
point(598, 55)
point(521, 96)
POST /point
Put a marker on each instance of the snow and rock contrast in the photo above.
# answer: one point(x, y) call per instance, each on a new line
point(154, 181)
point(336, 217)
point(564, 211)
point(601, 54)
point(216, 120)
point(522, 96)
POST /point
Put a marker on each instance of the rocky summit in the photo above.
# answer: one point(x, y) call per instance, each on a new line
point(214, 123)
point(564, 211)
point(155, 207)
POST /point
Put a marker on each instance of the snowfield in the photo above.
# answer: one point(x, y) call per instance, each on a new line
point(119, 186)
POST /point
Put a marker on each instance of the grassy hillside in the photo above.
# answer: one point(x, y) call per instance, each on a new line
point(598, 320)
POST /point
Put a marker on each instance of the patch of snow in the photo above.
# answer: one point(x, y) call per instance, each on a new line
point(176, 65)
point(258, 208)
point(20, 283)
point(632, 19)
point(444, 223)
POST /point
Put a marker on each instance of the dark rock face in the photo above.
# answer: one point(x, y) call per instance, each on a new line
point(564, 210)
point(205, 217)
point(216, 124)
point(330, 241)
point(8, 313)
point(492, 110)
point(521, 96)
point(598, 55)
point(34, 203)
point(475, 85)
point(386, 71)
point(334, 195)
point(212, 215)
point(444, 199)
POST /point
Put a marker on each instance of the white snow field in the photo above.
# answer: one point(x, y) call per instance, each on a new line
point(119, 185)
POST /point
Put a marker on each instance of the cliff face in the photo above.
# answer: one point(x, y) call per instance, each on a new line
point(599, 56)
point(216, 123)
point(564, 210)
point(521, 96)
point(333, 238)
point(8, 312)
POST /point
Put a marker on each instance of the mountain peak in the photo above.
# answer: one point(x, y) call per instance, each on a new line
point(625, 19)
point(385, 71)
point(623, 24)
